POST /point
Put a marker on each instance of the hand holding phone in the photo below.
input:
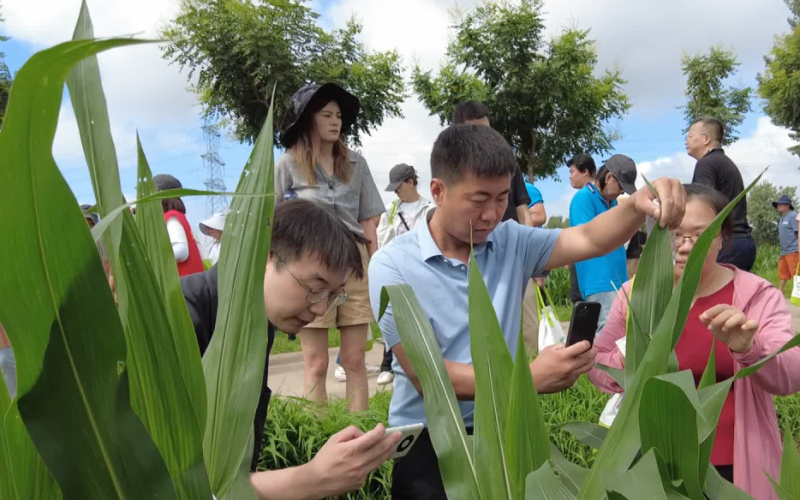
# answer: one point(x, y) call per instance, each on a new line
point(583, 326)
point(410, 434)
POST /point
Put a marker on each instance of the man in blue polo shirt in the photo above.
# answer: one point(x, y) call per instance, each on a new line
point(601, 277)
point(471, 171)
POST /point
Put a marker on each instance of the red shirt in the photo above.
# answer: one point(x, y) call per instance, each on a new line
point(194, 264)
point(693, 349)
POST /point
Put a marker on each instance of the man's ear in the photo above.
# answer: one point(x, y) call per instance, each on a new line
point(437, 190)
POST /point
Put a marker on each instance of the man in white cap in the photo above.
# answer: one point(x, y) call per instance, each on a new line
point(213, 228)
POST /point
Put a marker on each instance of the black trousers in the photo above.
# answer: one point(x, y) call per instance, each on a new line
point(726, 471)
point(739, 251)
point(386, 365)
point(416, 476)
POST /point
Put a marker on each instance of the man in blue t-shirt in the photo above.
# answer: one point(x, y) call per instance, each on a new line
point(787, 231)
point(600, 278)
point(471, 171)
point(530, 311)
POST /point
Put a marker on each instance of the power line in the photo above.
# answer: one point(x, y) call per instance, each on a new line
point(215, 170)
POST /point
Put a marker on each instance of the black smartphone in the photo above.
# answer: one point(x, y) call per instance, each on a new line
point(583, 326)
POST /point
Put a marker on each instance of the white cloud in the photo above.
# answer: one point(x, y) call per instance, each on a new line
point(767, 147)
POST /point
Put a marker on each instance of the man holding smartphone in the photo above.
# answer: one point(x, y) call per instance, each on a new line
point(471, 170)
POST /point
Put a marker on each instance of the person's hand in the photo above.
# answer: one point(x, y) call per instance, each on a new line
point(731, 326)
point(542, 282)
point(671, 202)
point(343, 463)
point(557, 367)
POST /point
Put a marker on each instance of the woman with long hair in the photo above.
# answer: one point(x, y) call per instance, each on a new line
point(318, 166)
point(746, 319)
point(184, 246)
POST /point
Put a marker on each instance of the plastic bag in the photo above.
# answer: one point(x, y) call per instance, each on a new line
point(550, 331)
point(615, 403)
point(796, 288)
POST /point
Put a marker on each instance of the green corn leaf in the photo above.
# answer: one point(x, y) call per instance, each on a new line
point(653, 290)
point(233, 363)
point(493, 368)
point(30, 478)
point(709, 378)
point(73, 379)
point(572, 476)
point(155, 240)
point(543, 484)
point(587, 433)
point(643, 481)
point(241, 488)
point(6, 474)
point(617, 375)
point(668, 422)
point(717, 488)
point(789, 487)
point(447, 431)
point(623, 442)
point(527, 441)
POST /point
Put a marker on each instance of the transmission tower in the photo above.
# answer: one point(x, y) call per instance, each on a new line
point(215, 170)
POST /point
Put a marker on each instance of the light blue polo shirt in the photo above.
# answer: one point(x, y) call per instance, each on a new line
point(509, 257)
point(601, 274)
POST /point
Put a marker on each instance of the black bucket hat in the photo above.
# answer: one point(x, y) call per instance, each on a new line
point(165, 182)
point(296, 110)
point(784, 200)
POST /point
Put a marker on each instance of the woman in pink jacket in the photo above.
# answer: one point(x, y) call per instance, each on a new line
point(749, 318)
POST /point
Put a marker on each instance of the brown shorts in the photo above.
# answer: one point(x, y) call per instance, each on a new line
point(787, 266)
point(357, 309)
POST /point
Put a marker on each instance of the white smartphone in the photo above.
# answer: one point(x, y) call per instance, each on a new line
point(410, 434)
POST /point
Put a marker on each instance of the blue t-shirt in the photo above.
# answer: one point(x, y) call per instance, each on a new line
point(787, 230)
point(601, 274)
point(534, 194)
point(511, 255)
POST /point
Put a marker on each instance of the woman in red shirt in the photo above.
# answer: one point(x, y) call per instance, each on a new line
point(184, 247)
point(749, 319)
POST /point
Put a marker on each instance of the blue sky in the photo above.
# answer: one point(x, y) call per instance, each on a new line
point(644, 39)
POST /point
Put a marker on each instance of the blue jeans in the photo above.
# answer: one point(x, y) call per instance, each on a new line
point(606, 300)
point(8, 367)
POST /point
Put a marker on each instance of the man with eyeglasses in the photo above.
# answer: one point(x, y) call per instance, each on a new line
point(312, 255)
point(716, 170)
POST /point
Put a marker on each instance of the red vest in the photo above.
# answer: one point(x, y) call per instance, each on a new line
point(194, 264)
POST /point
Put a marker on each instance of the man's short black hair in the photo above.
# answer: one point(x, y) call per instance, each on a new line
point(303, 228)
point(714, 126)
point(469, 110)
point(584, 163)
point(475, 149)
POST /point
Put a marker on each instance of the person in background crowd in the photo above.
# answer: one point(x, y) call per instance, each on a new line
point(213, 228)
point(715, 169)
point(8, 366)
point(476, 113)
point(184, 246)
point(530, 312)
point(582, 171)
point(318, 166)
point(600, 278)
point(409, 208)
point(312, 256)
point(92, 219)
point(749, 319)
point(633, 252)
point(471, 171)
point(787, 231)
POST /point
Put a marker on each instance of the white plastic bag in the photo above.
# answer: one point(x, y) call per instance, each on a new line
point(796, 289)
point(615, 403)
point(550, 331)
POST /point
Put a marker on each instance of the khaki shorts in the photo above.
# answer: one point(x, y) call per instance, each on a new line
point(357, 309)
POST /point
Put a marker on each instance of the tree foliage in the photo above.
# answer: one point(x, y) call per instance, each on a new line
point(762, 216)
point(794, 7)
point(779, 85)
point(544, 96)
point(557, 222)
point(240, 49)
point(709, 96)
point(5, 78)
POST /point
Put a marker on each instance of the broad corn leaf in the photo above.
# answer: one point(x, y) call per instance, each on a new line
point(6, 474)
point(789, 487)
point(493, 368)
point(448, 435)
point(543, 484)
point(717, 488)
point(73, 388)
point(31, 479)
point(572, 476)
point(527, 441)
point(233, 363)
point(643, 481)
point(709, 378)
point(587, 433)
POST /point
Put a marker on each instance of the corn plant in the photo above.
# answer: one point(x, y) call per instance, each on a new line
point(114, 400)
point(640, 456)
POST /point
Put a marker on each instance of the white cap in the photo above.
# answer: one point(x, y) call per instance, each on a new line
point(217, 221)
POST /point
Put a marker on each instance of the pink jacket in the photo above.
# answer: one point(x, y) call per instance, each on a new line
point(757, 439)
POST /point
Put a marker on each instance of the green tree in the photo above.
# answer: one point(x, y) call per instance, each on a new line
point(240, 49)
point(709, 96)
point(544, 96)
point(5, 78)
point(557, 222)
point(762, 216)
point(779, 85)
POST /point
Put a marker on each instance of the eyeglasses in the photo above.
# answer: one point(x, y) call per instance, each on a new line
point(678, 240)
point(317, 296)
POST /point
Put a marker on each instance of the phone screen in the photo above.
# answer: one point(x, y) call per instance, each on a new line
point(583, 326)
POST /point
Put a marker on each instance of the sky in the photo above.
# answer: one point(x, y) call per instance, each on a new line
point(645, 39)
